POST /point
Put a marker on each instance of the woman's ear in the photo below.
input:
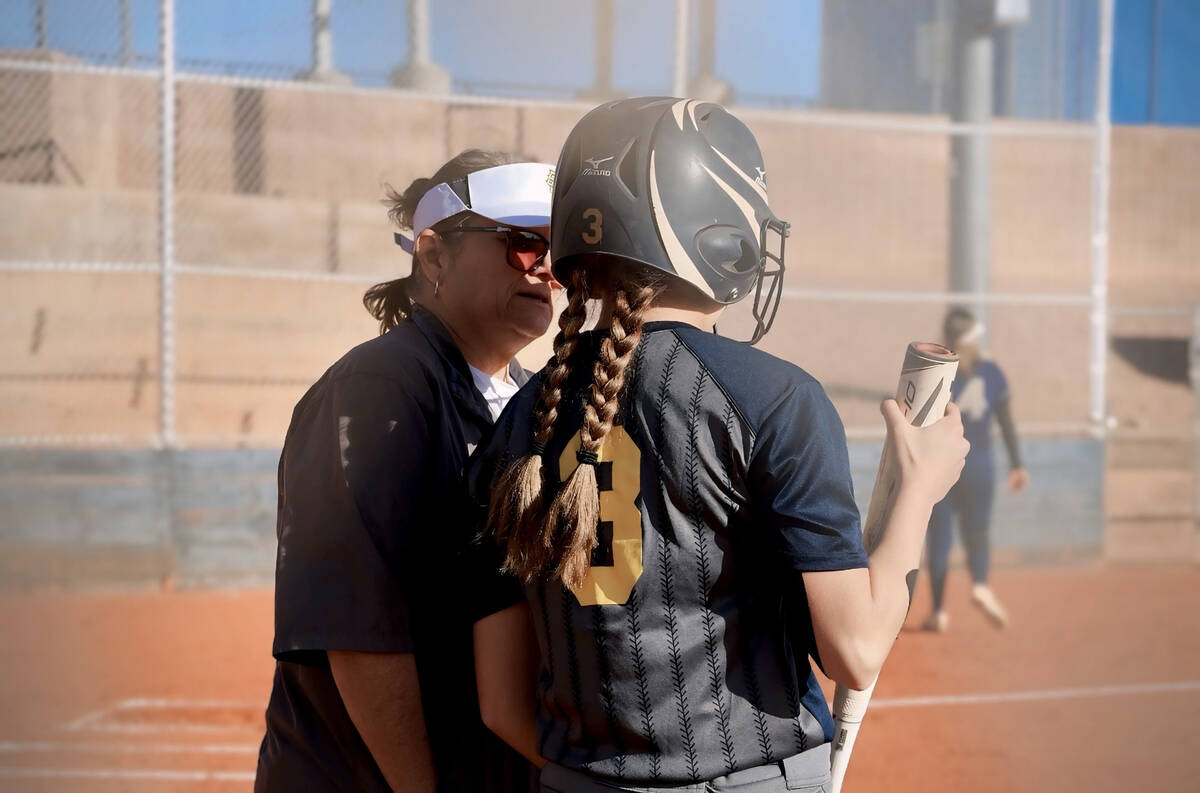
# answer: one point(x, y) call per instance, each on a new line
point(429, 254)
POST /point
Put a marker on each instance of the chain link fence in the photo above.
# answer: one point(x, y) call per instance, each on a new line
point(190, 307)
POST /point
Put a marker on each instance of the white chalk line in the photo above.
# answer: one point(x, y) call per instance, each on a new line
point(150, 727)
point(100, 720)
point(23, 747)
point(143, 774)
point(1039, 696)
point(179, 702)
point(247, 776)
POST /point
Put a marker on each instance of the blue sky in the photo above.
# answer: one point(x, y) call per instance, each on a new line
point(763, 46)
point(768, 49)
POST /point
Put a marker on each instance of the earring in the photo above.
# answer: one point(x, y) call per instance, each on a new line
point(436, 286)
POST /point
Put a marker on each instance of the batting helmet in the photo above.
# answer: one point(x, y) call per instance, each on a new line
point(674, 184)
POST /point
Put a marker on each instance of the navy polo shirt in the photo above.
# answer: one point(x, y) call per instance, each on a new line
point(372, 533)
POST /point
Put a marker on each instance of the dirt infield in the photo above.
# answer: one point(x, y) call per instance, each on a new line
point(1094, 688)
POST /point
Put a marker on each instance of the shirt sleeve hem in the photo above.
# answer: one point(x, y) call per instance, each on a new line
point(496, 606)
point(822, 564)
point(360, 644)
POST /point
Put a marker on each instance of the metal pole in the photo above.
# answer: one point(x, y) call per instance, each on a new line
point(604, 47)
point(970, 153)
point(166, 229)
point(420, 73)
point(1101, 166)
point(418, 31)
point(126, 35)
point(1058, 100)
point(708, 38)
point(322, 37)
point(683, 27)
point(937, 82)
point(39, 24)
point(1195, 378)
point(1152, 93)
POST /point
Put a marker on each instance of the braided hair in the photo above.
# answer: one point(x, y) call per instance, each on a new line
point(517, 510)
point(555, 540)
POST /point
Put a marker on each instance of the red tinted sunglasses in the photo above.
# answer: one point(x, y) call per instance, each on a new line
point(525, 250)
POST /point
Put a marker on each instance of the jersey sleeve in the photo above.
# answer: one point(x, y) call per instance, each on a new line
point(353, 492)
point(997, 383)
point(1001, 403)
point(801, 487)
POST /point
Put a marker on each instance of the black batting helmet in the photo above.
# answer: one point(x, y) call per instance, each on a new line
point(674, 184)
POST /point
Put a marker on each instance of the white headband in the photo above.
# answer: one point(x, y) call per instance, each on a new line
point(974, 334)
point(517, 194)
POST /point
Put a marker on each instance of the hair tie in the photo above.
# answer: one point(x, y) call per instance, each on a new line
point(537, 449)
point(586, 457)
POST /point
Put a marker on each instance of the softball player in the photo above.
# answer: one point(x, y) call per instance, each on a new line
point(674, 508)
point(981, 392)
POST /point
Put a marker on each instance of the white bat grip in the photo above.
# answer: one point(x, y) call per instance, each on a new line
point(923, 392)
point(849, 708)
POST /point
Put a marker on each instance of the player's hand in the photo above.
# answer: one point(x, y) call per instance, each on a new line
point(1018, 478)
point(928, 460)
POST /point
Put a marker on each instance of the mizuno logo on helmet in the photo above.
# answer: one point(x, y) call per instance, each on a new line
point(761, 178)
point(594, 168)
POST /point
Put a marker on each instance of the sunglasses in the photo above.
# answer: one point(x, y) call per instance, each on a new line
point(524, 250)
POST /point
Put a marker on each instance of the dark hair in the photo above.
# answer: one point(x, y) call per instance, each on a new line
point(391, 301)
point(957, 322)
point(557, 538)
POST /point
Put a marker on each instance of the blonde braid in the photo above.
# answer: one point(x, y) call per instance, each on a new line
point(516, 513)
point(574, 515)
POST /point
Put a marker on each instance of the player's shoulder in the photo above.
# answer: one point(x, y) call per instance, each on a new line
point(390, 371)
point(755, 381)
point(402, 355)
point(991, 370)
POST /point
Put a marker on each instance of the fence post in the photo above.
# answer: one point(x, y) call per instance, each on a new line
point(970, 152)
point(166, 283)
point(683, 29)
point(1195, 378)
point(421, 73)
point(1101, 165)
point(166, 229)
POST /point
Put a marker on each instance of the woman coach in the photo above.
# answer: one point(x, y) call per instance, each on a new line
point(374, 680)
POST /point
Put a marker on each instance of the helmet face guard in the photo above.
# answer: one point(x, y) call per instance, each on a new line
point(768, 287)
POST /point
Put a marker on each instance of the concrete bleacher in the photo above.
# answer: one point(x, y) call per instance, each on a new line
point(286, 178)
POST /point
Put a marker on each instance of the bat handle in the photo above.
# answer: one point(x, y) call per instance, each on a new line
point(849, 708)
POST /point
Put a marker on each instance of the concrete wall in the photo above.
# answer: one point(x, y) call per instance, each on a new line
point(81, 518)
point(290, 179)
point(127, 517)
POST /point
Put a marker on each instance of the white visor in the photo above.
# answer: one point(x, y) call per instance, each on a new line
point(517, 194)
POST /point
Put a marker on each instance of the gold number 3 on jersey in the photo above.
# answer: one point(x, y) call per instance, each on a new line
point(610, 584)
point(595, 230)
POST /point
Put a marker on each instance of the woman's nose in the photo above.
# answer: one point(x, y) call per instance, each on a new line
point(543, 272)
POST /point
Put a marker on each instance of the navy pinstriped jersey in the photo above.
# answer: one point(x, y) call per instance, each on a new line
point(685, 656)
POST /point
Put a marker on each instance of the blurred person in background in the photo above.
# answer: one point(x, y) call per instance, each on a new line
point(981, 392)
point(374, 685)
point(674, 507)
